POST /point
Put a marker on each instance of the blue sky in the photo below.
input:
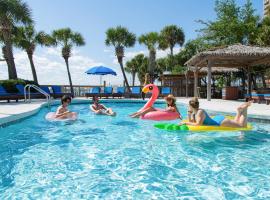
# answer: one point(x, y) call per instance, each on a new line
point(92, 18)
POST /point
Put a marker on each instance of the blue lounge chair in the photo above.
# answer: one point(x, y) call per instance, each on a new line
point(4, 95)
point(46, 89)
point(135, 92)
point(165, 91)
point(34, 94)
point(95, 91)
point(107, 92)
point(57, 92)
point(120, 92)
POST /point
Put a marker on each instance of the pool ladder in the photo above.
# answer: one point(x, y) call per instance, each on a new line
point(28, 87)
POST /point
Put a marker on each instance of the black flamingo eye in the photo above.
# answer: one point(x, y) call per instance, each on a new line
point(150, 88)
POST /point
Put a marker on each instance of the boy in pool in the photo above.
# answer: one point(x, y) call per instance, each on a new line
point(98, 108)
point(62, 111)
point(171, 106)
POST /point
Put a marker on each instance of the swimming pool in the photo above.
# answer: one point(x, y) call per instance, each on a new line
point(121, 158)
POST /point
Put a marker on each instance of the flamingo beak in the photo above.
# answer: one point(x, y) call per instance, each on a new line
point(145, 90)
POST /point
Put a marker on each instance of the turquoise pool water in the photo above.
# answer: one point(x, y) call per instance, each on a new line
point(101, 157)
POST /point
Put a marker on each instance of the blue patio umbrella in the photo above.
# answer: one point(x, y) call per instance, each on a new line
point(100, 70)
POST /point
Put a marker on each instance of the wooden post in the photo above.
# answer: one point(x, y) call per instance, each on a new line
point(209, 79)
point(186, 84)
point(249, 80)
point(196, 82)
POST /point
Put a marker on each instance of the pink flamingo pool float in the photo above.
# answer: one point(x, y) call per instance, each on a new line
point(158, 114)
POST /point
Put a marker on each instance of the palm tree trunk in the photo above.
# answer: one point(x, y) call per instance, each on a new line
point(12, 73)
point(120, 61)
point(133, 78)
point(171, 50)
point(263, 80)
point(152, 59)
point(4, 51)
point(34, 73)
point(69, 77)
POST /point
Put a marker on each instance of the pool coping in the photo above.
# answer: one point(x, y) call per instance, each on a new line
point(14, 118)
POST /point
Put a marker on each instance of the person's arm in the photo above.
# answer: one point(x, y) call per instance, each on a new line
point(59, 113)
point(94, 110)
point(189, 114)
point(199, 119)
point(170, 108)
point(104, 107)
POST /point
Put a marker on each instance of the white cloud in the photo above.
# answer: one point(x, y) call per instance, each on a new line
point(51, 68)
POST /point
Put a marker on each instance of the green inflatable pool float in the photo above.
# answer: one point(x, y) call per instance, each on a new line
point(176, 127)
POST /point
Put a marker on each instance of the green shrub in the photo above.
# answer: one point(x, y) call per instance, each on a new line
point(10, 85)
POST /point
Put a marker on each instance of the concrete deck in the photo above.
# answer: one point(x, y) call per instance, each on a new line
point(10, 112)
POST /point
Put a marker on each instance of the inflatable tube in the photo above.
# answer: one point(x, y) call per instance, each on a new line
point(52, 117)
point(160, 115)
point(176, 127)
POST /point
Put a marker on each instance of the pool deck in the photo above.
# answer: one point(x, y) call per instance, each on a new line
point(12, 112)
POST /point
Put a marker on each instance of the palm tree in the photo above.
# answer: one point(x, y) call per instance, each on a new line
point(120, 38)
point(12, 12)
point(131, 68)
point(135, 66)
point(27, 39)
point(171, 36)
point(66, 38)
point(151, 40)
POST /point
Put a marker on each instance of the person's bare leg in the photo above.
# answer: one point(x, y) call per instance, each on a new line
point(239, 121)
point(143, 112)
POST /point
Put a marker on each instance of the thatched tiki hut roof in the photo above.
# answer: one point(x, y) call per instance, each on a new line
point(234, 56)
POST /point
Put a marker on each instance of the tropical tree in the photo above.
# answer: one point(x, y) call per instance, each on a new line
point(67, 39)
point(131, 68)
point(120, 38)
point(250, 22)
point(170, 36)
point(27, 39)
point(12, 13)
point(142, 63)
point(151, 41)
point(263, 38)
point(233, 24)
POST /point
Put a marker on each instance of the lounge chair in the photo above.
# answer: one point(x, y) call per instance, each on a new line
point(35, 95)
point(4, 95)
point(46, 89)
point(267, 98)
point(120, 92)
point(135, 92)
point(257, 98)
point(57, 92)
point(107, 92)
point(165, 91)
point(95, 91)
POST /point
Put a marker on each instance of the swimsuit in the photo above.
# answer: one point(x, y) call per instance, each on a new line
point(215, 121)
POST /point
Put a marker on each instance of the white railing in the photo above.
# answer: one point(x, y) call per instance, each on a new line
point(29, 86)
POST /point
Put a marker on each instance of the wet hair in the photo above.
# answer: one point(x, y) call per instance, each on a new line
point(171, 97)
point(194, 103)
point(94, 98)
point(65, 98)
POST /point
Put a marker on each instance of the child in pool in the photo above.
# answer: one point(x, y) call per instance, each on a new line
point(62, 111)
point(171, 106)
point(98, 108)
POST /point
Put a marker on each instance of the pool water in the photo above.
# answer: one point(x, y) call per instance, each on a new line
point(101, 157)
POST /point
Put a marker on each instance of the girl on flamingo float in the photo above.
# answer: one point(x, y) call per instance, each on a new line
point(171, 111)
point(171, 106)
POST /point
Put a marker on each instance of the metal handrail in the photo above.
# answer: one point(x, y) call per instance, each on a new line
point(29, 86)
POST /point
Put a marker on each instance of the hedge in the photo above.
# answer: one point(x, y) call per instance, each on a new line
point(10, 85)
